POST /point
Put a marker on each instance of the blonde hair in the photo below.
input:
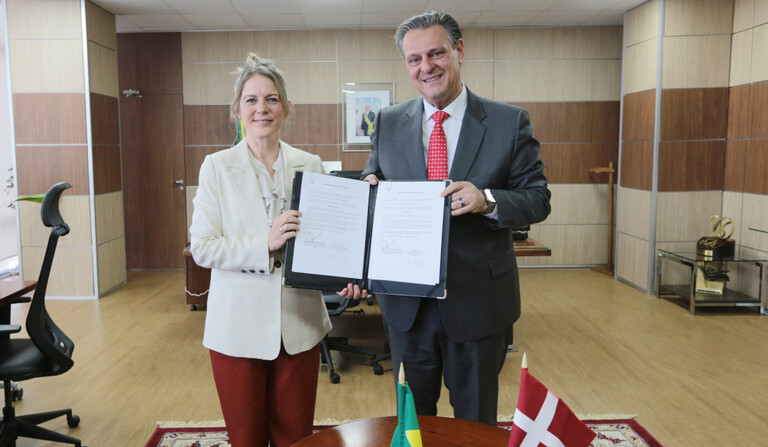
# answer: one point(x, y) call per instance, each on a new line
point(254, 65)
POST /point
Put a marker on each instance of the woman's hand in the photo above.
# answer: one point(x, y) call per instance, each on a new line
point(353, 292)
point(283, 228)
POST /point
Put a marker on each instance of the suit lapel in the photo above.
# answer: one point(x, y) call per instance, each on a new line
point(293, 163)
point(470, 138)
point(414, 150)
point(246, 184)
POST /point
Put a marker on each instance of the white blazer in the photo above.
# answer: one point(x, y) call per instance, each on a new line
point(249, 312)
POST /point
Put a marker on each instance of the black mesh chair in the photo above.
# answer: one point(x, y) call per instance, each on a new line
point(336, 305)
point(47, 351)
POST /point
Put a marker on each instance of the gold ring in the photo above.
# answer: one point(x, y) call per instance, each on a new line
point(282, 229)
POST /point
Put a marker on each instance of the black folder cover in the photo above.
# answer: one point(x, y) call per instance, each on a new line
point(324, 282)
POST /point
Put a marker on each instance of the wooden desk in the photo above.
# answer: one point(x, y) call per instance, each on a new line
point(435, 431)
point(530, 247)
point(12, 288)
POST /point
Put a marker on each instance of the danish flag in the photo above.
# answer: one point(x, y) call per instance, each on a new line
point(542, 419)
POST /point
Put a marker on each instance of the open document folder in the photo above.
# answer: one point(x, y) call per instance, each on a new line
point(390, 239)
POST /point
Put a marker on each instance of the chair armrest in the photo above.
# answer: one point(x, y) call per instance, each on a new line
point(7, 329)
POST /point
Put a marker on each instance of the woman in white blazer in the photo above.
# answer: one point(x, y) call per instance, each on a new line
point(263, 338)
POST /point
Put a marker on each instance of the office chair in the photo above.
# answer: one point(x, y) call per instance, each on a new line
point(47, 351)
point(336, 305)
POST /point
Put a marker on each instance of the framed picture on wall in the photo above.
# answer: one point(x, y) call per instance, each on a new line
point(361, 103)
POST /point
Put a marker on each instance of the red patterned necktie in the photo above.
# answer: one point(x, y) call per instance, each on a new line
point(437, 154)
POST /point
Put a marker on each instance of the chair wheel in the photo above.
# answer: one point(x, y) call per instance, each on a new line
point(73, 421)
point(335, 378)
point(192, 307)
point(378, 369)
point(17, 393)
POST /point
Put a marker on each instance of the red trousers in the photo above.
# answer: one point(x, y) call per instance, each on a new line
point(267, 400)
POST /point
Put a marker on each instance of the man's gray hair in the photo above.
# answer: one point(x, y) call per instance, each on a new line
point(428, 20)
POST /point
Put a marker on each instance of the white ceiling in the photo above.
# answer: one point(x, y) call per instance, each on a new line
point(199, 15)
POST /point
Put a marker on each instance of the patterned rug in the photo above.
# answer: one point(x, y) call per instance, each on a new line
point(610, 433)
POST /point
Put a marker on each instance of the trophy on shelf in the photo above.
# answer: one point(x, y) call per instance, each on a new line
point(712, 274)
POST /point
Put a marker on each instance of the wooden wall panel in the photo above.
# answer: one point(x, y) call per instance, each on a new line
point(697, 17)
point(326, 152)
point(193, 159)
point(758, 105)
point(640, 66)
point(478, 76)
point(53, 19)
point(738, 111)
point(71, 272)
point(557, 80)
point(761, 12)
point(208, 84)
point(578, 204)
point(479, 44)
point(369, 45)
point(110, 217)
point(312, 124)
point(208, 125)
point(574, 122)
point(743, 15)
point(699, 113)
point(354, 160)
point(105, 122)
point(61, 71)
point(159, 54)
point(632, 260)
point(558, 43)
point(696, 61)
point(735, 159)
point(756, 167)
point(76, 213)
point(684, 216)
point(637, 164)
point(741, 58)
point(642, 23)
point(691, 165)
point(759, 68)
point(634, 212)
point(570, 163)
point(40, 167)
point(570, 244)
point(755, 215)
point(107, 172)
point(638, 116)
point(234, 46)
point(100, 25)
point(111, 265)
point(102, 64)
point(49, 118)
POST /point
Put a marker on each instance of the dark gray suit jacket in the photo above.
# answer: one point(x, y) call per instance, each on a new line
point(496, 150)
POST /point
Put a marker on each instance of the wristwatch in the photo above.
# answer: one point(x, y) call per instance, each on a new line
point(490, 201)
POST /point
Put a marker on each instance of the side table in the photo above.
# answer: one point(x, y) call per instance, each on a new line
point(688, 291)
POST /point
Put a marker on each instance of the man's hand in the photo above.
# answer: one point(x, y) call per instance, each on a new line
point(372, 179)
point(466, 198)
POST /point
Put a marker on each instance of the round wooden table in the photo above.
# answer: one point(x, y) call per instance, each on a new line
point(435, 432)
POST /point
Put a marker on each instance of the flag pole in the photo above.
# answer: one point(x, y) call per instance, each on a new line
point(525, 362)
point(401, 375)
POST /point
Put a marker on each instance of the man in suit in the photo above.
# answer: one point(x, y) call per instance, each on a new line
point(367, 123)
point(498, 184)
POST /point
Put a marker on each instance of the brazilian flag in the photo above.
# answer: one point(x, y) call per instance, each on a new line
point(407, 433)
point(240, 132)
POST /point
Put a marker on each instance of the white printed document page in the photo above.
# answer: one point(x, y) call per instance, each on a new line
point(407, 235)
point(331, 238)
